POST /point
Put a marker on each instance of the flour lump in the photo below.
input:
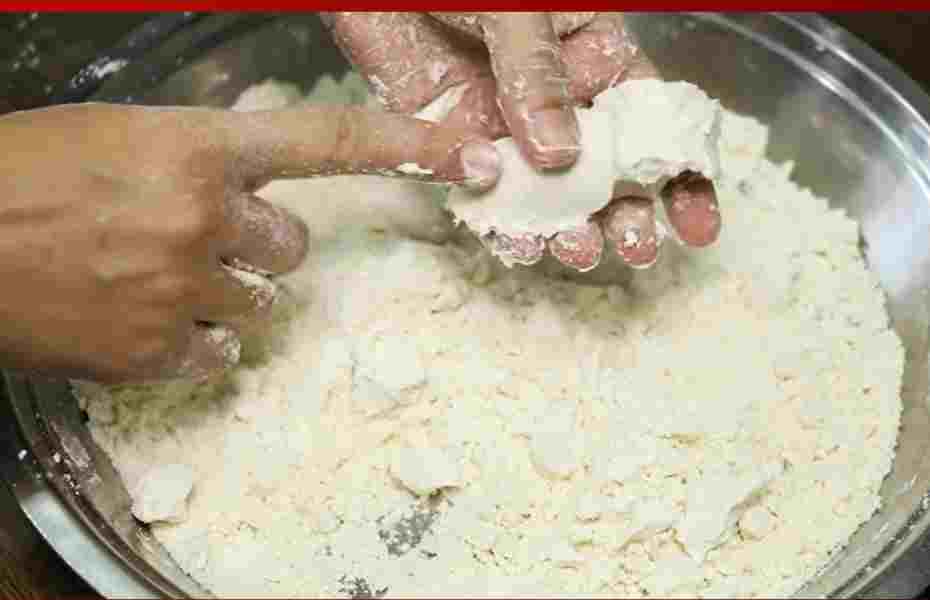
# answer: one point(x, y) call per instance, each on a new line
point(162, 494)
point(424, 471)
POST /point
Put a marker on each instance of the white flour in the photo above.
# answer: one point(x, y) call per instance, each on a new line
point(716, 428)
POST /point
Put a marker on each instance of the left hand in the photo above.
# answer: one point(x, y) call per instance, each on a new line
point(132, 243)
point(522, 73)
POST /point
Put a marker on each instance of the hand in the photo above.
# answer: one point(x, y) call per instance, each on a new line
point(131, 245)
point(521, 73)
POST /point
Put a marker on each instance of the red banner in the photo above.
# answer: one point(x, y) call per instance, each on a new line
point(473, 5)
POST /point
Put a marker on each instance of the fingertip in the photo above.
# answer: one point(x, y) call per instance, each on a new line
point(266, 236)
point(691, 204)
point(288, 242)
point(301, 245)
point(480, 164)
point(580, 249)
point(524, 249)
point(642, 256)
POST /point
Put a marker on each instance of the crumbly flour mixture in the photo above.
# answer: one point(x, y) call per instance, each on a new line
point(426, 422)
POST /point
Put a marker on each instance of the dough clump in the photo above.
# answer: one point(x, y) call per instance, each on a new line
point(161, 494)
point(637, 136)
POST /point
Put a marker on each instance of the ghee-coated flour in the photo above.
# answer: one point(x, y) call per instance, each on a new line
point(425, 422)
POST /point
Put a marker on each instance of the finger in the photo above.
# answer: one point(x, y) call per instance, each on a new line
point(602, 54)
point(526, 249)
point(580, 248)
point(408, 58)
point(563, 23)
point(236, 297)
point(629, 224)
point(333, 140)
point(691, 204)
point(264, 236)
point(212, 349)
point(532, 87)
point(477, 111)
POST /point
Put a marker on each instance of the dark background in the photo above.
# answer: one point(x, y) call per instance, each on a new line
point(39, 53)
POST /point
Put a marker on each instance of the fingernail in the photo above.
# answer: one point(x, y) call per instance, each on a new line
point(555, 138)
point(525, 249)
point(691, 204)
point(630, 225)
point(481, 165)
point(637, 250)
point(579, 249)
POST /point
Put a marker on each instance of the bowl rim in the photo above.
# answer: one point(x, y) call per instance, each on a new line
point(49, 506)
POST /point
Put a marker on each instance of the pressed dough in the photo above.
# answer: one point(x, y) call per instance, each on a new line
point(423, 422)
point(637, 136)
point(529, 201)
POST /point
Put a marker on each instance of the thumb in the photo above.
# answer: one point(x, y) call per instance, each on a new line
point(339, 140)
point(533, 87)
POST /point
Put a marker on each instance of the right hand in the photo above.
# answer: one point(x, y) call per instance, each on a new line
point(521, 73)
point(130, 236)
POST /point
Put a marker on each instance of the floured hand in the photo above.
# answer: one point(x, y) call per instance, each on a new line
point(519, 74)
point(132, 245)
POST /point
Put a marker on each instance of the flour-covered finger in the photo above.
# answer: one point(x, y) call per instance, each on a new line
point(407, 58)
point(469, 23)
point(236, 297)
point(630, 226)
point(338, 140)
point(211, 350)
point(476, 110)
point(532, 87)
point(524, 249)
point(579, 248)
point(691, 204)
point(264, 236)
point(601, 54)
